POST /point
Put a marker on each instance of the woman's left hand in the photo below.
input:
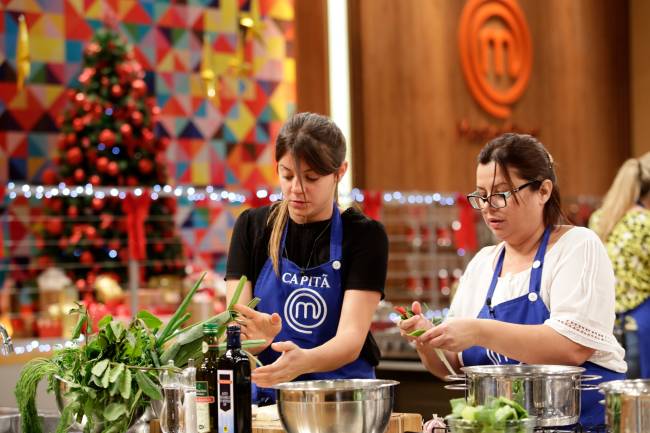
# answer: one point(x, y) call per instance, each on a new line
point(292, 363)
point(454, 335)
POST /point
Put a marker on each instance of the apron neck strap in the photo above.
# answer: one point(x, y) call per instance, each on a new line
point(336, 234)
point(536, 272)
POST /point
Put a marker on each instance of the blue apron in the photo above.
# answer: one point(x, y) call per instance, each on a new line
point(637, 343)
point(529, 309)
point(309, 302)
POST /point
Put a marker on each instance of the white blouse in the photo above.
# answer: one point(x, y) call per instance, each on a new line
point(577, 288)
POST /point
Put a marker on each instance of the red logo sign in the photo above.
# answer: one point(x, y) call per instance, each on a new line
point(495, 53)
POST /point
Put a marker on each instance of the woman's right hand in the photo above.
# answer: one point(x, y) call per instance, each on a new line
point(257, 325)
point(418, 321)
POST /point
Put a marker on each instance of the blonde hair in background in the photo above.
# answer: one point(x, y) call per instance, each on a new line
point(631, 183)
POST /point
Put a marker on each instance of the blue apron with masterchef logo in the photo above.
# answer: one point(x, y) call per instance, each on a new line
point(529, 309)
point(309, 302)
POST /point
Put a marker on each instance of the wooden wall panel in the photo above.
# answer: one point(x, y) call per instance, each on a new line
point(312, 76)
point(640, 75)
point(410, 94)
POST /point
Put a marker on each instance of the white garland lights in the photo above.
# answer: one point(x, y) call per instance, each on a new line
point(193, 193)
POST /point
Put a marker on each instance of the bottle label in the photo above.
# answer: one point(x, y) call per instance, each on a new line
point(203, 401)
point(226, 400)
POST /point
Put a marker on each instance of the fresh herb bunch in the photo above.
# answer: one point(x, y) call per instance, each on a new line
point(114, 376)
point(499, 415)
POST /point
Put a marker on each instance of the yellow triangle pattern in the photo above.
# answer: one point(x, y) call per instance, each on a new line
point(279, 101)
point(77, 5)
point(25, 6)
point(241, 125)
point(46, 49)
point(228, 20)
point(282, 10)
point(167, 63)
point(200, 174)
point(289, 75)
point(211, 18)
point(96, 10)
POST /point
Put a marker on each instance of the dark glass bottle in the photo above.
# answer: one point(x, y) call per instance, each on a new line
point(206, 382)
point(234, 396)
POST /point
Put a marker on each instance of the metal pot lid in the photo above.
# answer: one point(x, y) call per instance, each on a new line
point(631, 387)
point(522, 370)
point(334, 385)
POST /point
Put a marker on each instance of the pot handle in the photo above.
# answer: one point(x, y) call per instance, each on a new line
point(588, 387)
point(457, 387)
point(454, 377)
point(588, 377)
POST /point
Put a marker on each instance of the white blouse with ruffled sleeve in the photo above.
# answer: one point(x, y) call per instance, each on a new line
point(577, 288)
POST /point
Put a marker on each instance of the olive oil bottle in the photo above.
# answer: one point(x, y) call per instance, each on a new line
point(206, 382)
point(234, 382)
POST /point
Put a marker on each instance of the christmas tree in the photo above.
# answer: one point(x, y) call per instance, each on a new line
point(108, 140)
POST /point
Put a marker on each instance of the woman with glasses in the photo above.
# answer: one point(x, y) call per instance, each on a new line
point(543, 295)
point(623, 224)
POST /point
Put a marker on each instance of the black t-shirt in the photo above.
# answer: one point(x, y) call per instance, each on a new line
point(364, 252)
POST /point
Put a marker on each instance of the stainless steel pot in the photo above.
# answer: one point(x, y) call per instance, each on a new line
point(549, 392)
point(627, 405)
point(336, 406)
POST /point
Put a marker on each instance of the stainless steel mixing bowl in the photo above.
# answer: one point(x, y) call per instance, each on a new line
point(336, 406)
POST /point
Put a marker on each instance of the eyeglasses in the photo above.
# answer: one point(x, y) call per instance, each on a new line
point(497, 200)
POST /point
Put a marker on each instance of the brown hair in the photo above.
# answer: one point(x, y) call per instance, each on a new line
point(530, 159)
point(632, 183)
point(315, 140)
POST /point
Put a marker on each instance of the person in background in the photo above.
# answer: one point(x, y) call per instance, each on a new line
point(544, 295)
point(623, 224)
point(319, 271)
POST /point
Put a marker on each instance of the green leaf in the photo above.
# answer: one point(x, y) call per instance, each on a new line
point(104, 321)
point(77, 328)
point(99, 368)
point(106, 377)
point(237, 293)
point(148, 387)
point(114, 410)
point(416, 333)
point(150, 320)
point(116, 372)
point(172, 325)
point(118, 330)
point(125, 384)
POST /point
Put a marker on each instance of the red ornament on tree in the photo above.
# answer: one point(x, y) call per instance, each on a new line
point(49, 176)
point(126, 130)
point(139, 87)
point(116, 90)
point(91, 232)
point(95, 180)
point(73, 211)
point(78, 124)
point(97, 203)
point(79, 175)
point(102, 164)
point(87, 258)
point(74, 156)
point(113, 169)
point(132, 181)
point(145, 166)
point(85, 142)
point(107, 137)
point(136, 117)
point(54, 226)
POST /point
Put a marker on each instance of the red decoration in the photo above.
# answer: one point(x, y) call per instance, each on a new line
point(79, 175)
point(87, 258)
point(78, 124)
point(113, 169)
point(116, 90)
point(132, 181)
point(145, 166)
point(102, 164)
point(159, 247)
point(136, 117)
point(126, 130)
point(74, 156)
point(91, 232)
point(139, 87)
point(92, 48)
point(137, 211)
point(85, 142)
point(465, 236)
point(95, 180)
point(107, 137)
point(73, 211)
point(97, 203)
point(49, 176)
point(54, 226)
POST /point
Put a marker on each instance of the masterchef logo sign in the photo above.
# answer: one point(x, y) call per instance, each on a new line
point(496, 53)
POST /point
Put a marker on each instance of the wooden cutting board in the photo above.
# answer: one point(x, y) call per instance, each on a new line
point(399, 423)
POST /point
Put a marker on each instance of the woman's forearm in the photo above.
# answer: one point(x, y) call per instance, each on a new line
point(341, 350)
point(530, 344)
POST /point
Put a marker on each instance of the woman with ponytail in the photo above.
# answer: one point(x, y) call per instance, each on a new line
point(623, 224)
point(319, 271)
